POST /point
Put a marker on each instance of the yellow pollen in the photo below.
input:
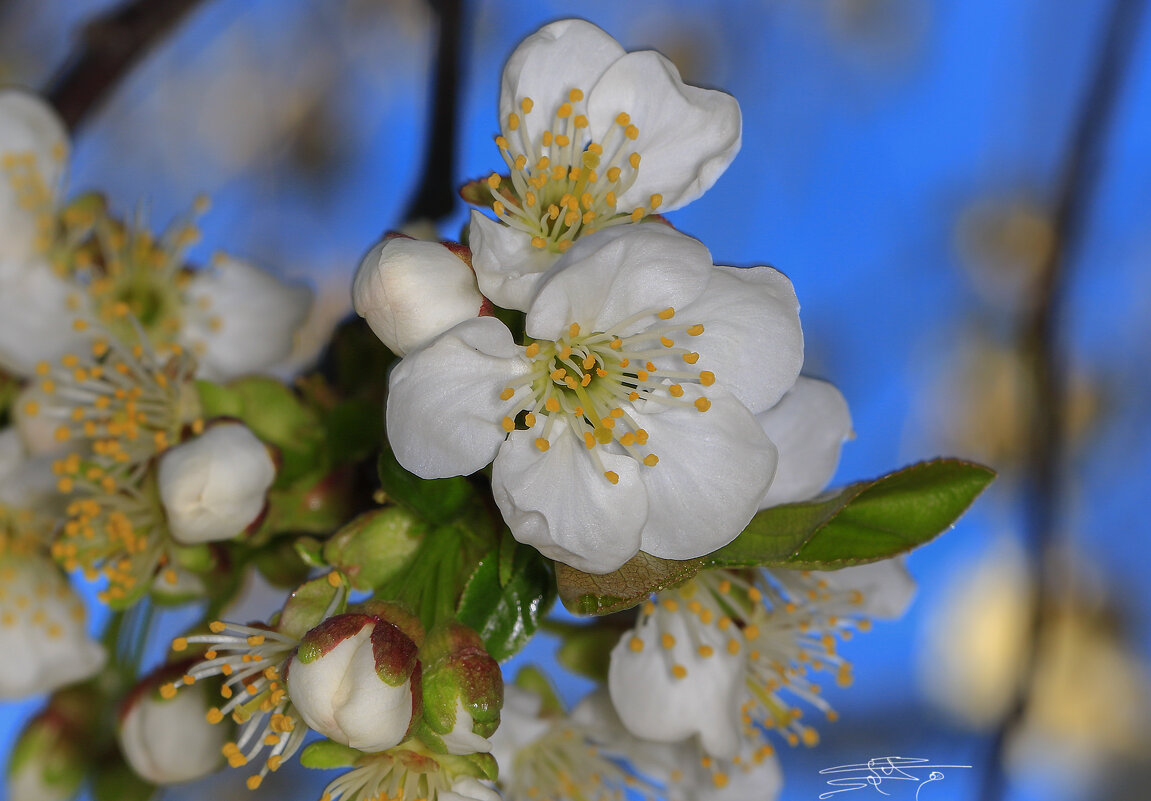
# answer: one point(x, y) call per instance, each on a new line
point(552, 405)
point(691, 358)
point(254, 781)
point(636, 214)
point(733, 647)
point(494, 181)
point(751, 631)
point(168, 690)
point(633, 160)
point(526, 105)
point(651, 460)
point(611, 476)
point(499, 208)
point(507, 393)
point(703, 404)
point(214, 715)
point(656, 201)
point(508, 424)
point(707, 378)
point(616, 344)
point(666, 342)
point(180, 644)
point(532, 350)
point(719, 779)
point(613, 174)
point(564, 111)
point(676, 391)
point(635, 644)
point(334, 578)
point(513, 121)
point(589, 439)
point(542, 444)
point(679, 671)
point(539, 242)
point(573, 330)
point(754, 595)
point(706, 650)
point(667, 641)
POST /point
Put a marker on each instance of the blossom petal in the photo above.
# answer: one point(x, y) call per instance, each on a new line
point(29, 127)
point(250, 321)
point(808, 426)
point(608, 278)
point(508, 269)
point(559, 501)
point(752, 340)
point(36, 312)
point(886, 585)
point(565, 55)
point(444, 408)
point(687, 135)
point(713, 468)
point(655, 704)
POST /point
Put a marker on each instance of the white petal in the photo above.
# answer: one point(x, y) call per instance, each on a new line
point(248, 321)
point(560, 503)
point(655, 705)
point(752, 339)
point(755, 777)
point(607, 278)
point(28, 127)
point(520, 726)
point(713, 468)
point(565, 55)
point(373, 716)
point(169, 741)
point(507, 267)
point(444, 411)
point(37, 308)
point(809, 426)
point(469, 789)
point(461, 739)
point(886, 585)
point(687, 135)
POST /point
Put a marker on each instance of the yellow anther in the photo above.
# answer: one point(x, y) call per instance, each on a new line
point(573, 330)
point(335, 579)
point(666, 342)
point(526, 105)
point(754, 594)
point(507, 393)
point(530, 420)
point(695, 330)
point(676, 390)
point(667, 641)
point(180, 644)
point(539, 242)
point(691, 358)
point(552, 404)
point(254, 781)
point(637, 214)
point(623, 119)
point(502, 143)
point(611, 476)
point(651, 460)
point(562, 140)
point(751, 631)
point(635, 644)
point(634, 160)
point(613, 174)
point(547, 139)
point(499, 208)
point(168, 690)
point(707, 378)
point(532, 350)
point(705, 651)
point(719, 779)
point(508, 424)
point(214, 715)
point(679, 671)
point(580, 121)
point(575, 95)
point(641, 436)
point(494, 181)
point(589, 440)
point(513, 122)
point(80, 325)
point(542, 444)
point(733, 647)
point(703, 404)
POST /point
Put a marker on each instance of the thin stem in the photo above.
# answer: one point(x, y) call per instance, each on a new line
point(109, 46)
point(435, 196)
point(1040, 341)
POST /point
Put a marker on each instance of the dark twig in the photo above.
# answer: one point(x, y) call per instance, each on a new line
point(1040, 340)
point(435, 195)
point(109, 46)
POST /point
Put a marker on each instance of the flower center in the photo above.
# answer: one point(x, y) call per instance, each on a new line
point(582, 381)
point(563, 184)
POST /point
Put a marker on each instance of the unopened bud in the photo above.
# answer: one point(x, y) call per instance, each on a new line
point(215, 485)
point(51, 755)
point(463, 689)
point(169, 740)
point(355, 679)
point(411, 291)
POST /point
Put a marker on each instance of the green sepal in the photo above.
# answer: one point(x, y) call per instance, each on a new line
point(217, 400)
point(863, 522)
point(437, 500)
point(327, 755)
point(376, 546)
point(305, 607)
point(507, 613)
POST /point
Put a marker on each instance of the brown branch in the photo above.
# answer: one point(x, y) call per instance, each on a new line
point(435, 196)
point(109, 46)
point(1040, 342)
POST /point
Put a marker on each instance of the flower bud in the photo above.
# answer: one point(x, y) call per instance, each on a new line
point(214, 486)
point(411, 291)
point(51, 756)
point(375, 546)
point(355, 679)
point(463, 689)
point(168, 740)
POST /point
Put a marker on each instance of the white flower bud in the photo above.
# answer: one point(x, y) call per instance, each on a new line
point(351, 680)
point(169, 740)
point(214, 486)
point(411, 291)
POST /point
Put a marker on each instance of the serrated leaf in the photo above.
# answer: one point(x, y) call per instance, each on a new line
point(305, 607)
point(326, 755)
point(507, 616)
point(863, 522)
point(437, 500)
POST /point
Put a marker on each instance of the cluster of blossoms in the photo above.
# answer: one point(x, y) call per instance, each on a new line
point(614, 397)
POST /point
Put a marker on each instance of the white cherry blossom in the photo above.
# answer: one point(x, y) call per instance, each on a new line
point(627, 421)
point(592, 136)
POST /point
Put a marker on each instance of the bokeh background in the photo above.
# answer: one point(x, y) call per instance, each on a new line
point(901, 163)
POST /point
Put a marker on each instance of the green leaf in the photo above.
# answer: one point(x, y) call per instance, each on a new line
point(863, 522)
point(438, 500)
point(326, 755)
point(506, 616)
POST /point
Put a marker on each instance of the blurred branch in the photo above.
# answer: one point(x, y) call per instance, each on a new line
point(435, 195)
point(109, 46)
point(1040, 340)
